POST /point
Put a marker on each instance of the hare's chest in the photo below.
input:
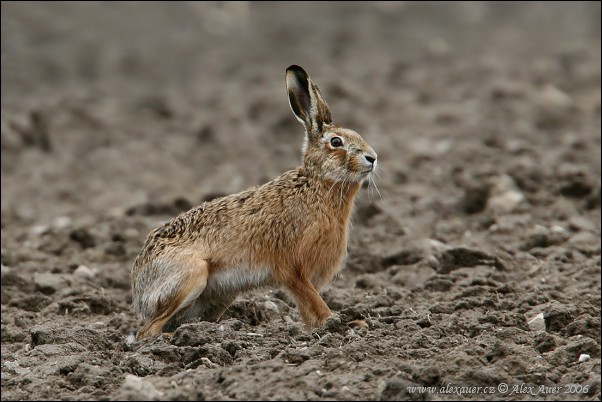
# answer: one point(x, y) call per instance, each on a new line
point(326, 262)
point(325, 248)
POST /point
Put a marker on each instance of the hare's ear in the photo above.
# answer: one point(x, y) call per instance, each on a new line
point(306, 101)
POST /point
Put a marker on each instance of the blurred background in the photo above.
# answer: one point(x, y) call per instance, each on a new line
point(116, 116)
point(108, 105)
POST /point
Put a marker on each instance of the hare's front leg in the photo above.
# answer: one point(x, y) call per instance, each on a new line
point(312, 308)
point(194, 280)
point(219, 307)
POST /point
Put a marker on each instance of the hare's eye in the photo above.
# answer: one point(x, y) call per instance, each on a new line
point(336, 142)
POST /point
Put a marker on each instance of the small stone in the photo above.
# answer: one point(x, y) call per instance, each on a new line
point(553, 97)
point(208, 363)
point(582, 223)
point(84, 272)
point(135, 388)
point(62, 222)
point(48, 283)
point(432, 262)
point(270, 305)
point(505, 195)
point(537, 323)
point(552, 106)
point(583, 358)
point(432, 246)
point(584, 239)
point(38, 230)
point(558, 229)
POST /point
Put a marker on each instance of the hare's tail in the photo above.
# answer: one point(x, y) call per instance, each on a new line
point(173, 285)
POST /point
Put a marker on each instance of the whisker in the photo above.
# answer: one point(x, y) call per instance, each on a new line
point(341, 197)
point(377, 190)
point(335, 181)
point(342, 188)
point(378, 173)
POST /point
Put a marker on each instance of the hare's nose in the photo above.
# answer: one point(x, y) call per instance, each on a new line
point(370, 159)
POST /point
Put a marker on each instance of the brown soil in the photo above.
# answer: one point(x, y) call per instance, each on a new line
point(486, 118)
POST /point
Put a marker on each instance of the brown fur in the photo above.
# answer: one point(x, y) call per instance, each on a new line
point(196, 274)
point(291, 231)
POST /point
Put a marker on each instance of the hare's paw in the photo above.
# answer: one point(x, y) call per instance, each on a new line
point(334, 324)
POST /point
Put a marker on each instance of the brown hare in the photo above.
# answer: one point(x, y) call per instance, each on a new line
point(290, 232)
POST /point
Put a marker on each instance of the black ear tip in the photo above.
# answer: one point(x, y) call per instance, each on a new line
point(298, 71)
point(295, 68)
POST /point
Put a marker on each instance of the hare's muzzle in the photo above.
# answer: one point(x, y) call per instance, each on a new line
point(369, 162)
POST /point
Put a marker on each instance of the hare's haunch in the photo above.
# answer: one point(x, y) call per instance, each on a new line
point(290, 232)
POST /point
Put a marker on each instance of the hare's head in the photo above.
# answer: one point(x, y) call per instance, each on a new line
point(329, 151)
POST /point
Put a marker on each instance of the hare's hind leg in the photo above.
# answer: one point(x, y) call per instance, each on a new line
point(191, 286)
